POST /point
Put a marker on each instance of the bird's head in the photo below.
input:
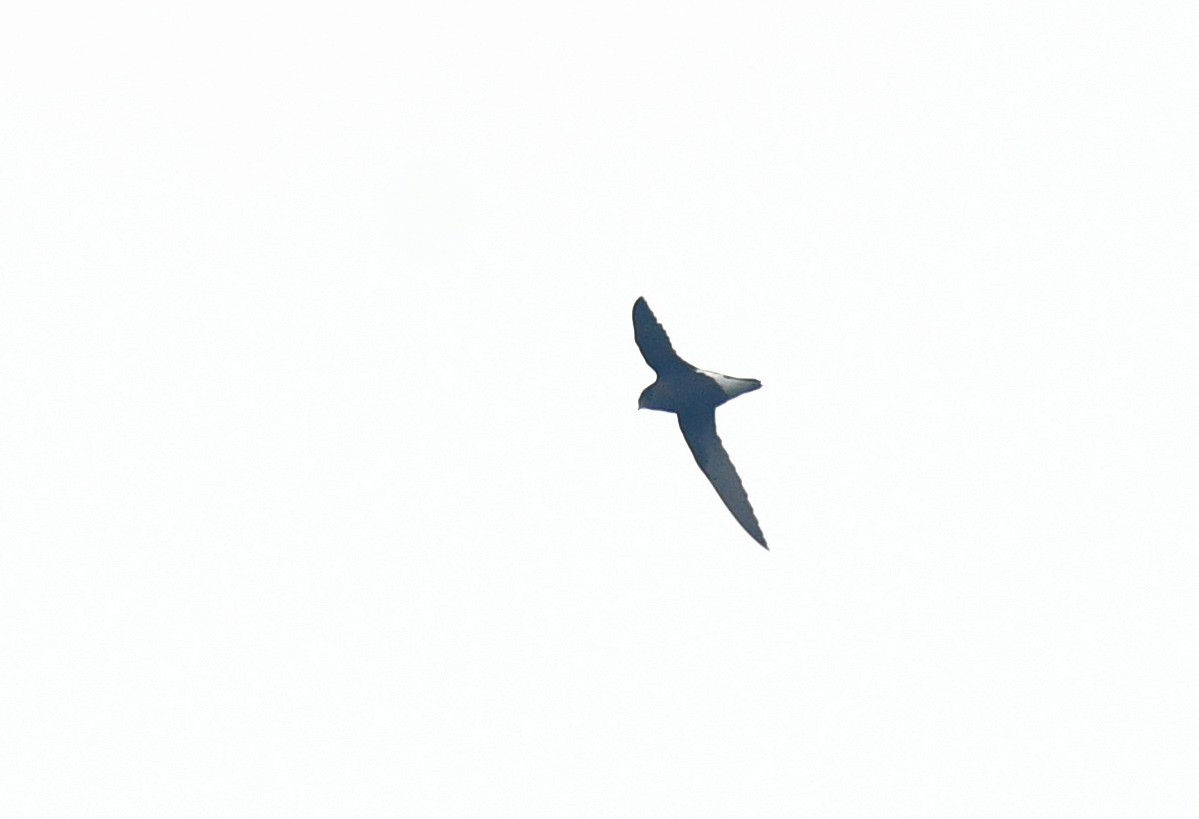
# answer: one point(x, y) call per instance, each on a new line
point(646, 397)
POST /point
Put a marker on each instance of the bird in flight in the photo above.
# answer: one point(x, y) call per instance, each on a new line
point(693, 395)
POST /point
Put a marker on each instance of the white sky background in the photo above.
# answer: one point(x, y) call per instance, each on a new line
point(323, 491)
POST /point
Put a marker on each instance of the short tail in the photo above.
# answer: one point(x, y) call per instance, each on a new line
point(731, 386)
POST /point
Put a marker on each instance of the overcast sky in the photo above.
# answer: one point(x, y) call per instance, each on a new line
point(323, 490)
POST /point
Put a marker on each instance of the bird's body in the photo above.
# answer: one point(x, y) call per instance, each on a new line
point(694, 389)
point(693, 395)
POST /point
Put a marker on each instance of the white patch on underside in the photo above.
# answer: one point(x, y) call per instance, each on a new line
point(732, 387)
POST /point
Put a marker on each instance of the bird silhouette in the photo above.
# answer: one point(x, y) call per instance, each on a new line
point(693, 395)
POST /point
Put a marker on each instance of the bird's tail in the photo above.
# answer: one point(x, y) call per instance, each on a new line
point(733, 386)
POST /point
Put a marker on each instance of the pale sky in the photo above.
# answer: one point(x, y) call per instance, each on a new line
point(323, 490)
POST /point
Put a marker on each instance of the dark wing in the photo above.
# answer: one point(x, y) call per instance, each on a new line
point(699, 430)
point(653, 341)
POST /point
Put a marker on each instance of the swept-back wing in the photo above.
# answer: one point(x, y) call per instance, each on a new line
point(653, 342)
point(699, 430)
